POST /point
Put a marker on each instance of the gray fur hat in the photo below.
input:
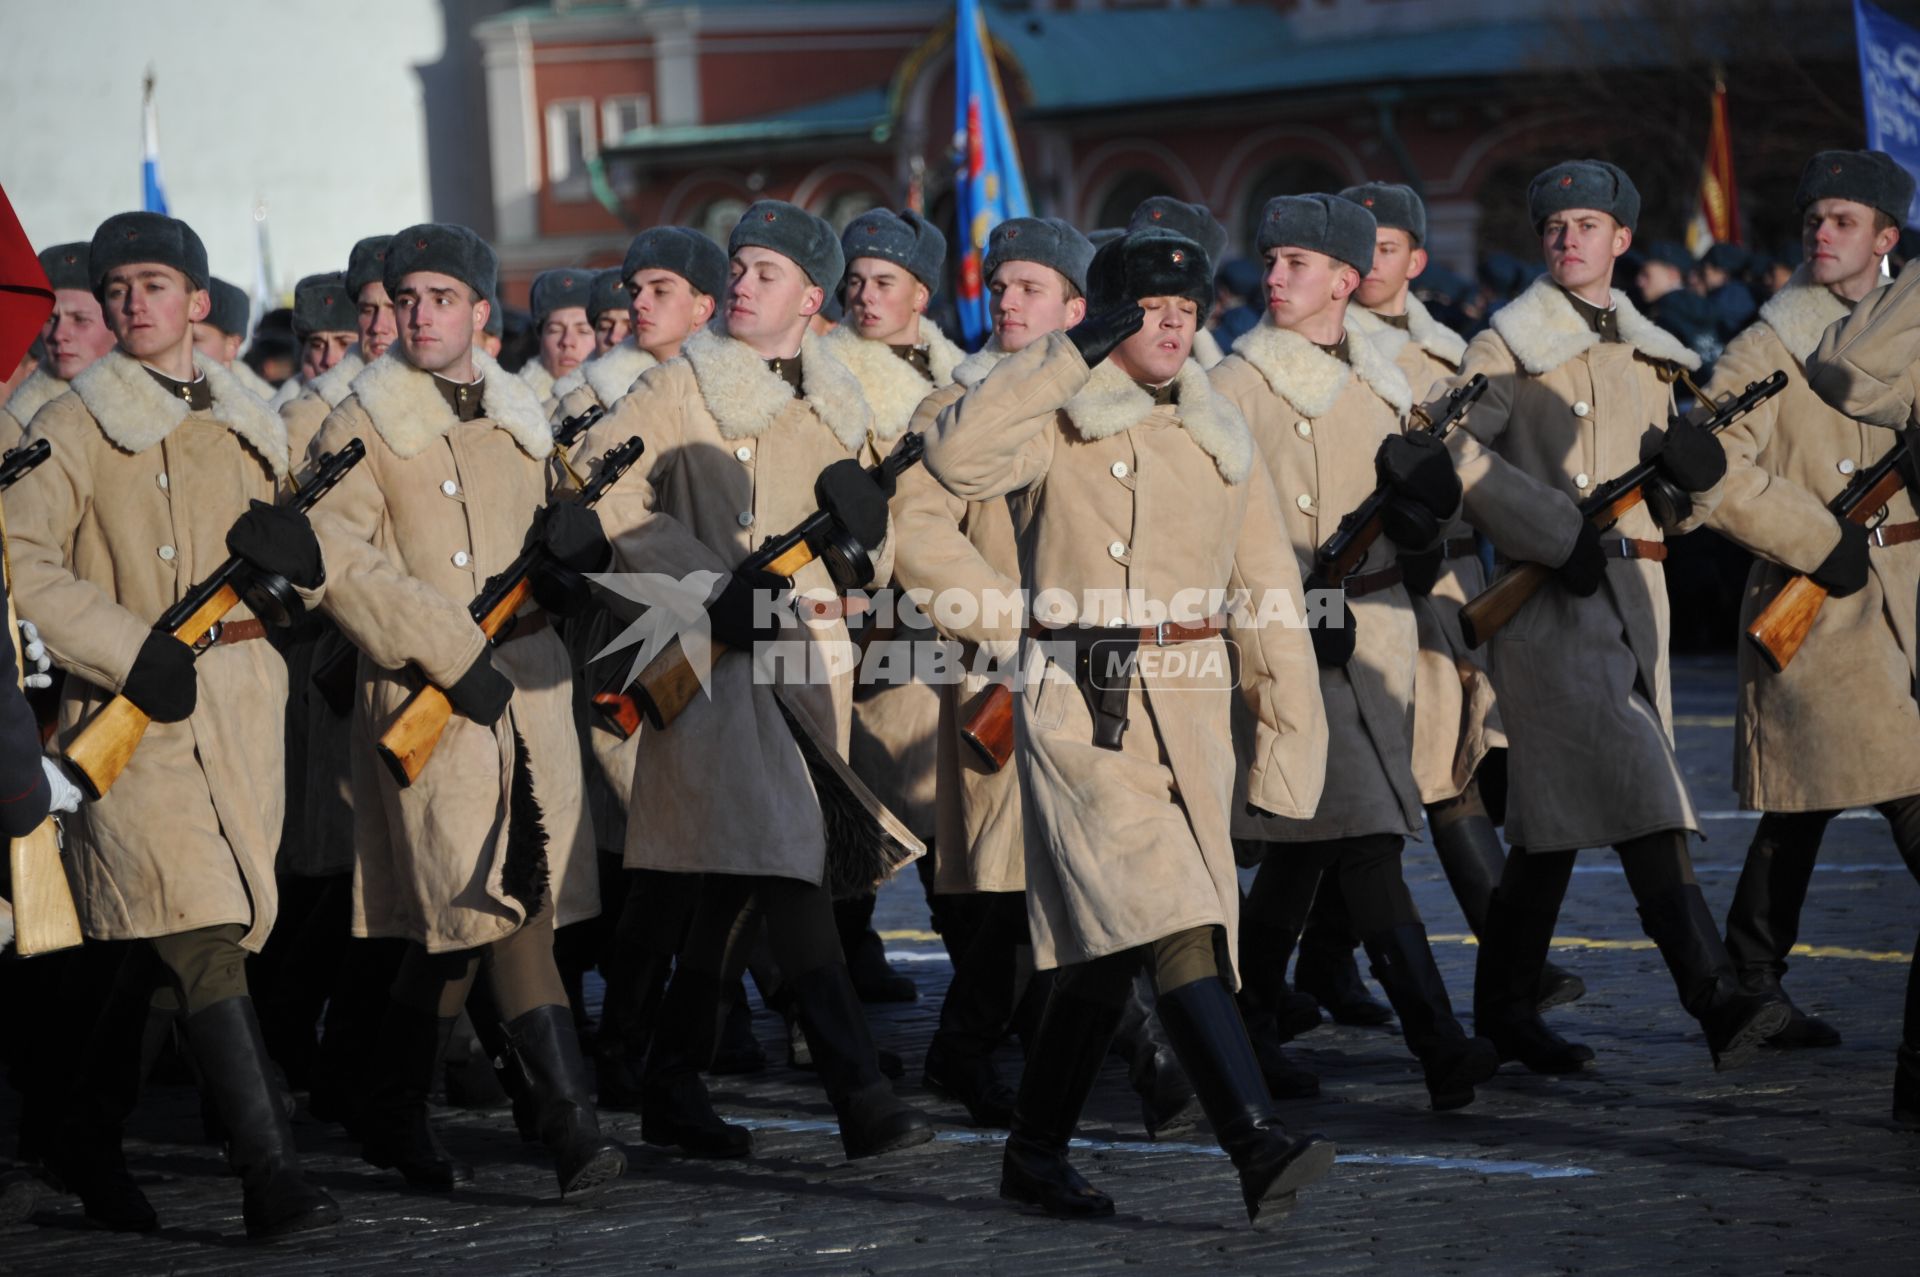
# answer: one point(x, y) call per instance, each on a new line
point(1195, 221)
point(794, 233)
point(66, 266)
point(1340, 228)
point(1149, 263)
point(126, 238)
point(1872, 178)
point(1394, 207)
point(905, 239)
point(444, 248)
point(559, 289)
point(367, 264)
point(231, 308)
point(1593, 184)
point(682, 250)
point(1105, 236)
point(322, 304)
point(1045, 241)
point(608, 292)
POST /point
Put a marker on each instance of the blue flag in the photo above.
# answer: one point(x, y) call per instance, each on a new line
point(153, 199)
point(989, 187)
point(1890, 86)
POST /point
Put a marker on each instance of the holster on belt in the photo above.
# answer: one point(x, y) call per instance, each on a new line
point(1104, 662)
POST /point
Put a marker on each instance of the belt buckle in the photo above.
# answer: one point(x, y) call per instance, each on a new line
point(1628, 550)
point(1160, 633)
point(1878, 536)
point(211, 637)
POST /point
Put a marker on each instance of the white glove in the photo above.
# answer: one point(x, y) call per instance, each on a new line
point(66, 795)
point(36, 656)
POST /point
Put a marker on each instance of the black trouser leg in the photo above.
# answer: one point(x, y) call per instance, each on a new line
point(1903, 815)
point(1063, 1062)
point(1513, 952)
point(976, 1011)
point(84, 1151)
point(866, 955)
point(655, 916)
point(1327, 969)
point(1764, 920)
point(355, 1008)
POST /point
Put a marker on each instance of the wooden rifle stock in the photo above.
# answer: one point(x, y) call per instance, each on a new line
point(416, 729)
point(987, 727)
point(100, 751)
point(1500, 602)
point(668, 683)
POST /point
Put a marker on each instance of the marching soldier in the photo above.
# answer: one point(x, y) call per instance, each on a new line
point(75, 335)
point(161, 462)
point(609, 309)
point(748, 432)
point(560, 299)
point(1325, 406)
point(1579, 387)
point(1805, 752)
point(221, 334)
point(326, 325)
point(489, 849)
point(373, 329)
point(1127, 474)
point(1197, 223)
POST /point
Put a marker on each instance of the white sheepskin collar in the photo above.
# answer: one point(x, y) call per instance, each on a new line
point(288, 392)
point(336, 383)
point(745, 396)
point(254, 382)
point(1111, 402)
point(894, 388)
point(1801, 313)
point(973, 370)
point(537, 379)
point(1422, 329)
point(1310, 379)
point(1206, 348)
point(1543, 330)
point(30, 396)
point(135, 413)
point(609, 376)
point(409, 413)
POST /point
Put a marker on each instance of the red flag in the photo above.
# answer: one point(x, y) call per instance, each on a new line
point(1719, 217)
point(26, 298)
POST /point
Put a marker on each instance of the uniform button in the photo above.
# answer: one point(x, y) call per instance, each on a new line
point(450, 488)
point(1581, 481)
point(1582, 408)
point(162, 481)
point(745, 519)
point(1304, 429)
point(166, 552)
point(1117, 549)
point(1304, 501)
point(743, 453)
point(1119, 469)
point(461, 558)
point(1846, 465)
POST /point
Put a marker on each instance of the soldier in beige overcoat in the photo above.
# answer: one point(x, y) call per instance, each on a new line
point(75, 335)
point(1326, 408)
point(609, 310)
point(1839, 726)
point(559, 302)
point(221, 334)
point(1139, 504)
point(488, 850)
point(750, 431)
point(160, 466)
point(1580, 390)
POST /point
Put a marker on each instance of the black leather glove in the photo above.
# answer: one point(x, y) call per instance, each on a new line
point(572, 534)
point(1096, 335)
point(1418, 470)
point(1690, 457)
point(481, 694)
point(559, 589)
point(1333, 645)
point(1586, 566)
point(278, 540)
point(162, 682)
point(741, 615)
point(1844, 570)
point(1419, 569)
point(847, 492)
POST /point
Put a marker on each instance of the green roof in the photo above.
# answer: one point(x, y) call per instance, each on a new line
point(862, 113)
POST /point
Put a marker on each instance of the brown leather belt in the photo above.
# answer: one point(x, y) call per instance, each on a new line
point(1633, 548)
point(1460, 548)
point(1165, 634)
point(1894, 533)
point(1362, 584)
point(518, 627)
point(224, 632)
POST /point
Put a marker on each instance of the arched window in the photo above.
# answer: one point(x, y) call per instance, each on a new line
point(717, 218)
point(1125, 195)
point(1295, 175)
point(843, 206)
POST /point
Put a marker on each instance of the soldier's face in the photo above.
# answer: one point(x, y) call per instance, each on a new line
point(1396, 262)
point(666, 310)
point(1029, 301)
point(1303, 284)
point(152, 308)
point(1657, 279)
point(1842, 241)
point(1580, 246)
point(321, 351)
point(76, 333)
point(436, 317)
point(375, 320)
point(610, 330)
point(884, 301)
point(1158, 351)
point(566, 340)
point(768, 295)
point(216, 345)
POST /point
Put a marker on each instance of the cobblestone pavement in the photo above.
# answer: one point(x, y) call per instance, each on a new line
point(1649, 1161)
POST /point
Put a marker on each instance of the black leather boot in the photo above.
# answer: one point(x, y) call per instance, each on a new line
point(873, 1120)
point(1063, 1061)
point(979, 1004)
point(393, 1127)
point(1764, 919)
point(1736, 1022)
point(355, 1010)
point(1287, 1078)
point(1473, 858)
point(509, 1074)
point(83, 1150)
point(232, 1056)
point(867, 962)
point(636, 983)
point(1265, 951)
point(1204, 1026)
point(1506, 976)
point(674, 1108)
point(1453, 1062)
point(1168, 1106)
point(738, 1050)
point(1906, 1071)
point(467, 1068)
point(1326, 969)
point(546, 1043)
